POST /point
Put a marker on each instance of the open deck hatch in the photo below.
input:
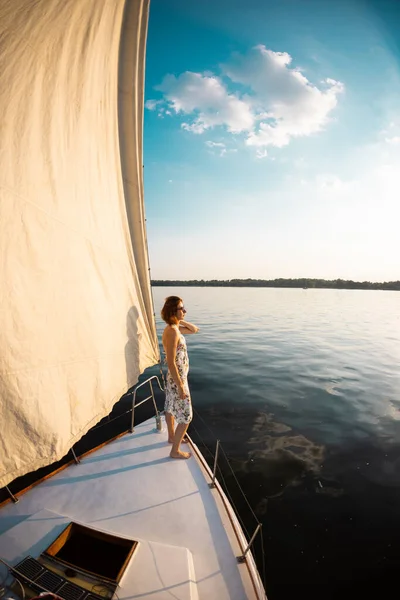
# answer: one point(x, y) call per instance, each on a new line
point(94, 552)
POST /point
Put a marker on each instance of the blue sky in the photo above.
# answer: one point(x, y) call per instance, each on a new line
point(272, 139)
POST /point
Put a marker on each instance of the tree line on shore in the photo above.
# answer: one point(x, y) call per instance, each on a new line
point(341, 284)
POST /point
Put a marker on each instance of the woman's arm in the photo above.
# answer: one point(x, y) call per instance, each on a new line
point(171, 338)
point(186, 327)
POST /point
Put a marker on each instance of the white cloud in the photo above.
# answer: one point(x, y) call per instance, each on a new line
point(295, 107)
point(276, 101)
point(217, 146)
point(261, 153)
point(211, 144)
point(330, 183)
point(209, 100)
point(393, 140)
point(194, 128)
point(152, 104)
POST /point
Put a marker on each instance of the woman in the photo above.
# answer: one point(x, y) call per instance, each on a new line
point(178, 405)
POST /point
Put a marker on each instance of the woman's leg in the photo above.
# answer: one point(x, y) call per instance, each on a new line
point(169, 419)
point(176, 452)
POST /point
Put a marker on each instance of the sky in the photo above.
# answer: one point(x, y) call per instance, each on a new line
point(272, 139)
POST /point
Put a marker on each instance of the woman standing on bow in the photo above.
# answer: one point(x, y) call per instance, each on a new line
point(178, 404)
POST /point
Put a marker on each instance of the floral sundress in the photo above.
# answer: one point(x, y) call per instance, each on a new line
point(180, 409)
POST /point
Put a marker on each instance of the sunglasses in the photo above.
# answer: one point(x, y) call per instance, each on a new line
point(182, 308)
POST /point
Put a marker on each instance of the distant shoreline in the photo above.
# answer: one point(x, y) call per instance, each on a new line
point(337, 284)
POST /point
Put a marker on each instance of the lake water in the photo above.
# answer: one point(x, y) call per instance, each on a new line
point(303, 389)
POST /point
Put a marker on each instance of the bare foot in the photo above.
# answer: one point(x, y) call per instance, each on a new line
point(184, 441)
point(180, 454)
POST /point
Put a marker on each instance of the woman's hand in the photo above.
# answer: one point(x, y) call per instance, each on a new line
point(182, 393)
point(186, 327)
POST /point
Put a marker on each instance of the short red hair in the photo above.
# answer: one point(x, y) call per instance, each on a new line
point(169, 310)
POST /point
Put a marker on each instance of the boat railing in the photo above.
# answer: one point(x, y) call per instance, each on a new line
point(213, 462)
point(217, 478)
point(151, 397)
point(242, 557)
point(133, 393)
point(220, 469)
point(77, 455)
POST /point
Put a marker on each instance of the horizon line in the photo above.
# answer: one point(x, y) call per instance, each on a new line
point(281, 279)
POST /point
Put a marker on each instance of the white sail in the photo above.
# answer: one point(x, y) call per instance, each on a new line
point(76, 316)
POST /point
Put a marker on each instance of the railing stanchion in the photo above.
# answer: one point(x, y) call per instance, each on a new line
point(133, 411)
point(76, 459)
point(150, 382)
point(154, 400)
point(13, 498)
point(212, 484)
point(242, 558)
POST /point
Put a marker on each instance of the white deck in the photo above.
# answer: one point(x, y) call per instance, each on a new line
point(132, 488)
